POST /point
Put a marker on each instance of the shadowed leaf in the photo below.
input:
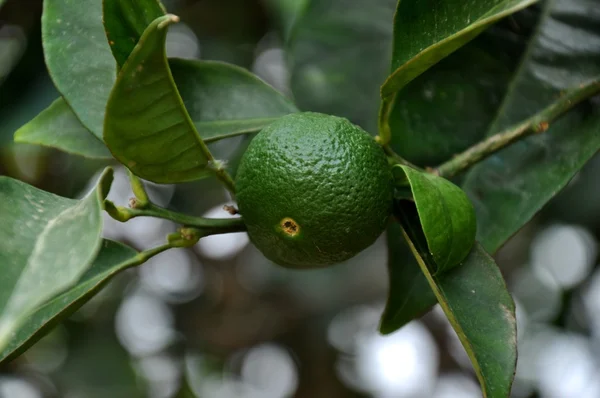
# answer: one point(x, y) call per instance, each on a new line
point(511, 186)
point(58, 127)
point(125, 21)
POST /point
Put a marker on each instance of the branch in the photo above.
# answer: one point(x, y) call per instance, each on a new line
point(146, 255)
point(215, 225)
point(142, 206)
point(538, 123)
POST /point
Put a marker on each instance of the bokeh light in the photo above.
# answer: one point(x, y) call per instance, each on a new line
point(222, 247)
point(175, 276)
point(565, 252)
point(144, 324)
point(15, 387)
point(271, 370)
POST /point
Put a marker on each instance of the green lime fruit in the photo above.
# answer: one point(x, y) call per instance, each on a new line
point(313, 190)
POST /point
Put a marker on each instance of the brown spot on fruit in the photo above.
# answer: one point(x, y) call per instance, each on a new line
point(289, 227)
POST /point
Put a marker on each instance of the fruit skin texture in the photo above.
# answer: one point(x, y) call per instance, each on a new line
point(313, 190)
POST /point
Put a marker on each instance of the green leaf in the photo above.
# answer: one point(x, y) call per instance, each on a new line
point(339, 56)
point(147, 126)
point(222, 99)
point(410, 295)
point(425, 32)
point(125, 21)
point(46, 244)
point(446, 216)
point(79, 58)
point(58, 127)
point(112, 259)
point(449, 107)
point(221, 129)
point(225, 100)
point(476, 302)
point(509, 188)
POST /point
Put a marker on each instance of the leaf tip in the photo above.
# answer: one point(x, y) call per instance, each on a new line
point(168, 20)
point(105, 182)
point(385, 325)
point(21, 134)
point(386, 330)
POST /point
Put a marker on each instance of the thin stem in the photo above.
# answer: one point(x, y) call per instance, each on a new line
point(226, 179)
point(397, 159)
point(538, 123)
point(146, 255)
point(385, 133)
point(215, 225)
point(142, 206)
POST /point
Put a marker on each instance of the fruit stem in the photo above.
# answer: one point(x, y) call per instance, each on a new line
point(397, 159)
point(385, 133)
point(538, 123)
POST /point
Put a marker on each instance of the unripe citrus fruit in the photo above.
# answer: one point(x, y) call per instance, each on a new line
point(313, 190)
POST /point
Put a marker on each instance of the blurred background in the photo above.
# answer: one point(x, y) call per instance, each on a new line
point(220, 321)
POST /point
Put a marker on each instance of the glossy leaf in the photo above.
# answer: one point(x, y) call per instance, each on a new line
point(510, 187)
point(449, 107)
point(58, 127)
point(225, 100)
point(476, 301)
point(79, 58)
point(112, 259)
point(46, 244)
point(340, 54)
point(147, 126)
point(125, 21)
point(445, 213)
point(410, 295)
point(425, 32)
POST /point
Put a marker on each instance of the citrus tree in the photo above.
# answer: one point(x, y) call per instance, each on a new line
point(452, 169)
